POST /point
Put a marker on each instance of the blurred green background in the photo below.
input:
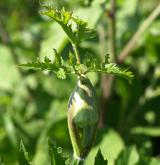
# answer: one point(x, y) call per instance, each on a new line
point(33, 104)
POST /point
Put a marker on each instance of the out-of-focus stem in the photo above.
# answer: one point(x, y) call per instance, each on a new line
point(107, 81)
point(133, 41)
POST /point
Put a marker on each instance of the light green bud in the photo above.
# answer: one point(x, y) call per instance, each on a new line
point(83, 117)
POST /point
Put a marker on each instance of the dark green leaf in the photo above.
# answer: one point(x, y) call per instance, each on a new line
point(72, 59)
point(92, 62)
point(144, 161)
point(128, 156)
point(1, 161)
point(99, 160)
point(107, 59)
point(23, 155)
point(55, 154)
point(58, 61)
point(47, 60)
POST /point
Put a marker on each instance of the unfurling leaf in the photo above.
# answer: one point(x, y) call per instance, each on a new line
point(76, 29)
point(57, 66)
point(114, 69)
point(82, 30)
point(108, 68)
point(61, 73)
point(92, 65)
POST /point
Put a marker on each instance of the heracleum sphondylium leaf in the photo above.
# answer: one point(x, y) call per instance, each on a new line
point(67, 21)
point(62, 69)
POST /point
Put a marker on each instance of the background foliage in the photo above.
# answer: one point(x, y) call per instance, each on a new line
point(33, 104)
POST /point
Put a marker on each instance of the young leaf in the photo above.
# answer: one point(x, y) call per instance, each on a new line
point(39, 65)
point(80, 68)
point(82, 30)
point(108, 68)
point(57, 66)
point(113, 68)
point(55, 154)
point(99, 160)
point(63, 18)
point(92, 65)
point(66, 20)
point(61, 73)
point(23, 155)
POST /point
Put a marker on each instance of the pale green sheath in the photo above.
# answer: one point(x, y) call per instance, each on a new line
point(83, 117)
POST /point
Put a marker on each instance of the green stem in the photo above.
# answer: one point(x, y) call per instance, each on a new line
point(77, 161)
point(75, 49)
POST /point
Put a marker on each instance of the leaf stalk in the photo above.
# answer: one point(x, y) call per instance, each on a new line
point(76, 52)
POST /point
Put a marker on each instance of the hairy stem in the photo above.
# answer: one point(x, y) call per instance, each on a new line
point(133, 41)
point(75, 49)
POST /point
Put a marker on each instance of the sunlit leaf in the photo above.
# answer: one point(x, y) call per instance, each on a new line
point(76, 29)
point(61, 73)
point(110, 145)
